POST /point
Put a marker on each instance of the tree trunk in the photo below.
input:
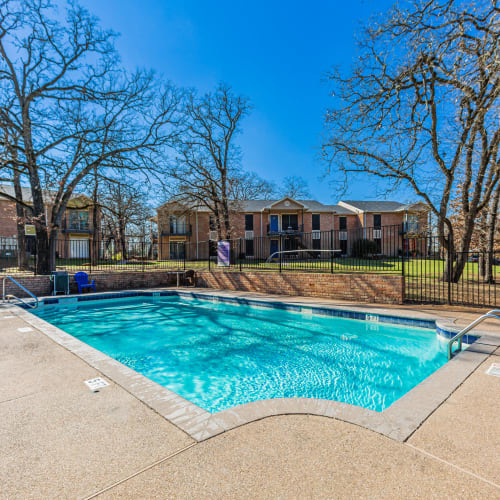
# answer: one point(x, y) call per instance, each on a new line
point(39, 219)
point(463, 253)
point(447, 247)
point(122, 238)
point(22, 257)
point(53, 250)
point(94, 253)
point(492, 222)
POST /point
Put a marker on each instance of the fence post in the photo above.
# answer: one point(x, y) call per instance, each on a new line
point(36, 256)
point(281, 250)
point(90, 256)
point(184, 254)
point(208, 243)
point(331, 252)
point(239, 254)
point(403, 244)
point(142, 255)
point(450, 266)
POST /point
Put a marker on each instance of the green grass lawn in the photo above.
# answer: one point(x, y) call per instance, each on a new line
point(414, 268)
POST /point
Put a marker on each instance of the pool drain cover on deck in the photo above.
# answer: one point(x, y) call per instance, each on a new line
point(95, 384)
point(494, 370)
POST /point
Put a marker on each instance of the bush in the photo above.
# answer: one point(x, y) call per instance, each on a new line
point(364, 248)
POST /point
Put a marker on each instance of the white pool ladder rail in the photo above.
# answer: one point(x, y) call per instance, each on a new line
point(7, 297)
point(494, 313)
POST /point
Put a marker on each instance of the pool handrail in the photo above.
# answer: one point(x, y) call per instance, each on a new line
point(11, 296)
point(309, 250)
point(494, 313)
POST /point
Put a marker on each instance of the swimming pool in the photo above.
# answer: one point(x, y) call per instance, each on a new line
point(218, 355)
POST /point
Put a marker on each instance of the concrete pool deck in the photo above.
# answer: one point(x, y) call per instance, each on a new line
point(61, 440)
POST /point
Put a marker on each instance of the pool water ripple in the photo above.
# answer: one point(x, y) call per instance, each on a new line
point(219, 355)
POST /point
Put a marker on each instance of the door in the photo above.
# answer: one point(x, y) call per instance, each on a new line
point(274, 223)
point(275, 246)
point(79, 248)
point(177, 250)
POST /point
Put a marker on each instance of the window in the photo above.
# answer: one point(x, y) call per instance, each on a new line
point(177, 224)
point(315, 222)
point(342, 223)
point(412, 224)
point(343, 247)
point(211, 223)
point(249, 248)
point(289, 222)
point(79, 220)
point(377, 221)
point(248, 222)
point(316, 244)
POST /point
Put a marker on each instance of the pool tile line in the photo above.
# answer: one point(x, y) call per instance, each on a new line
point(398, 422)
point(308, 309)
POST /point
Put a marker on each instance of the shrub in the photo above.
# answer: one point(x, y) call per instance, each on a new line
point(364, 248)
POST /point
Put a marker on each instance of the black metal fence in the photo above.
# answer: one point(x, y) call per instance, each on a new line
point(383, 250)
point(429, 277)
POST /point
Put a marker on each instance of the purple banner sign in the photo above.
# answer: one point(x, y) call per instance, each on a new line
point(223, 253)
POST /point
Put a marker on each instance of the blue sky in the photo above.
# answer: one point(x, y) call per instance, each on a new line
point(276, 53)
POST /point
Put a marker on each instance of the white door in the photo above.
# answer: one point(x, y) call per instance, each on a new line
point(79, 248)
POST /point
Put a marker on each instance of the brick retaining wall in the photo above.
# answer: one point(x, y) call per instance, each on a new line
point(383, 289)
point(41, 286)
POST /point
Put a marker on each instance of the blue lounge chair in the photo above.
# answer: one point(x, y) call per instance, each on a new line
point(82, 280)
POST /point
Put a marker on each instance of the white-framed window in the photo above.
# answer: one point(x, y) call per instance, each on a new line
point(78, 220)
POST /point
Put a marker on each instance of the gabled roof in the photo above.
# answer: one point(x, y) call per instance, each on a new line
point(28, 198)
point(287, 201)
point(381, 206)
point(262, 205)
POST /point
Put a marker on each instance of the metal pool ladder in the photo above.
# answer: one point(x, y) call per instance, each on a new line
point(494, 313)
point(10, 296)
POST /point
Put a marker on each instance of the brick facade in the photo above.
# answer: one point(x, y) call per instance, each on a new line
point(383, 289)
point(8, 225)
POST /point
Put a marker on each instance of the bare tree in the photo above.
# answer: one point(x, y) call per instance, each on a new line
point(249, 186)
point(208, 158)
point(421, 107)
point(295, 187)
point(124, 211)
point(75, 111)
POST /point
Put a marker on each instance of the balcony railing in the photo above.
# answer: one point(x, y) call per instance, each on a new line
point(412, 228)
point(286, 230)
point(80, 226)
point(178, 230)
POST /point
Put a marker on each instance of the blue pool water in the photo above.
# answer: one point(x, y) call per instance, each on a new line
point(219, 355)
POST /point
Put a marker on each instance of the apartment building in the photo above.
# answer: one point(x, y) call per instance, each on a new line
point(75, 233)
point(264, 226)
